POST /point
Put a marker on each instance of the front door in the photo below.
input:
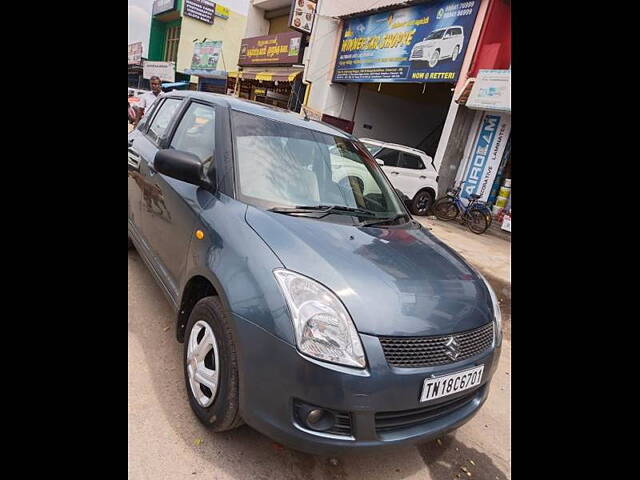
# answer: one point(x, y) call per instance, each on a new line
point(170, 224)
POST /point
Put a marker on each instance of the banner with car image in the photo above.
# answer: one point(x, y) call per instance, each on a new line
point(422, 43)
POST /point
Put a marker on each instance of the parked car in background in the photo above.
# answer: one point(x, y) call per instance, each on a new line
point(439, 44)
point(313, 308)
point(410, 170)
point(134, 95)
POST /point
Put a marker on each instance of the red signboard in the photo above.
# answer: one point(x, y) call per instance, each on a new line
point(279, 49)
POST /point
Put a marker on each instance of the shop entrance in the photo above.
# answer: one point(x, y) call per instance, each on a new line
point(404, 113)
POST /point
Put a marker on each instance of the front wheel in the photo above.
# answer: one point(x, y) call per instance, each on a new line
point(433, 61)
point(445, 209)
point(421, 203)
point(211, 366)
point(477, 221)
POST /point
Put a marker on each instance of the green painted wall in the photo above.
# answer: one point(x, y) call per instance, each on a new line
point(157, 35)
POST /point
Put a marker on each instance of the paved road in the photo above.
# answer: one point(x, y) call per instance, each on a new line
point(167, 442)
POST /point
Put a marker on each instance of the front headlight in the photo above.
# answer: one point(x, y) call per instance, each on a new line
point(324, 329)
point(496, 309)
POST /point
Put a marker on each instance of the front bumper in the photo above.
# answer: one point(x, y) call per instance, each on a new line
point(273, 375)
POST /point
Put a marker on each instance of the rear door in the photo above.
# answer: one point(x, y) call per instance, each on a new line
point(169, 225)
point(391, 158)
point(412, 174)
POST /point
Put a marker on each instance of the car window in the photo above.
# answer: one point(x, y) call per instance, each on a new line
point(389, 157)
point(373, 149)
point(196, 132)
point(436, 34)
point(408, 160)
point(161, 120)
point(457, 31)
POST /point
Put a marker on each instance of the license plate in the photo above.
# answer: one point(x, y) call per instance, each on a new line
point(439, 387)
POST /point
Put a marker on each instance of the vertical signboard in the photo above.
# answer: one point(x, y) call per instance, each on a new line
point(135, 53)
point(486, 154)
point(421, 43)
point(302, 15)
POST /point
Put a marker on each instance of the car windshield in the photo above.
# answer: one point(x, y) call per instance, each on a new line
point(435, 35)
point(282, 165)
point(373, 149)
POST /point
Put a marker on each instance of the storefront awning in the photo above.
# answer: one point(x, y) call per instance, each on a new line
point(268, 74)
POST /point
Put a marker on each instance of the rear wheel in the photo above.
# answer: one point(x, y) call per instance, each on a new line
point(477, 221)
point(421, 203)
point(455, 53)
point(445, 209)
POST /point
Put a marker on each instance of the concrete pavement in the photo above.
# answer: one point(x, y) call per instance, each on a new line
point(166, 441)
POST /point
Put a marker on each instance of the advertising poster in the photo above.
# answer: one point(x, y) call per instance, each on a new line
point(302, 15)
point(166, 71)
point(202, 10)
point(423, 43)
point(206, 55)
point(486, 154)
point(277, 49)
point(135, 53)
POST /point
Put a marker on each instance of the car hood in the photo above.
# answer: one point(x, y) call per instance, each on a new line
point(393, 281)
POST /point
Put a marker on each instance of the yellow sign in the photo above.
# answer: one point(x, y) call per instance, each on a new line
point(222, 12)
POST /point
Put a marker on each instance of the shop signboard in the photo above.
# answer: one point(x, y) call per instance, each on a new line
point(202, 10)
point(491, 91)
point(135, 53)
point(222, 12)
point(486, 153)
point(206, 55)
point(165, 70)
point(421, 43)
point(162, 6)
point(302, 15)
point(277, 49)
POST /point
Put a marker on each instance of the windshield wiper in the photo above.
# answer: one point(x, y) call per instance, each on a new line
point(323, 210)
point(384, 220)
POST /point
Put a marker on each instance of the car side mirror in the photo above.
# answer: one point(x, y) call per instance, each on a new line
point(183, 166)
point(380, 162)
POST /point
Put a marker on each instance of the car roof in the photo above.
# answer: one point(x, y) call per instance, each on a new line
point(394, 146)
point(261, 110)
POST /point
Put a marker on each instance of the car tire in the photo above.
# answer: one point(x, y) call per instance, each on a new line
point(208, 317)
point(455, 53)
point(421, 203)
point(433, 61)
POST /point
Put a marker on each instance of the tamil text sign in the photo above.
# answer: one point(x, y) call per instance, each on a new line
point(166, 71)
point(278, 49)
point(486, 155)
point(422, 43)
point(202, 10)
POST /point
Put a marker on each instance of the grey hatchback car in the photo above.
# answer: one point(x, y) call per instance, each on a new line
point(311, 305)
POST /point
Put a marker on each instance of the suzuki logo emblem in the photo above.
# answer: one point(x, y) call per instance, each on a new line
point(452, 348)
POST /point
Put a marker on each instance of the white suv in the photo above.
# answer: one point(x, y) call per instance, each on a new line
point(439, 44)
point(410, 170)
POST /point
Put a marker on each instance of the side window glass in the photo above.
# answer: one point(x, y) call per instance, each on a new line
point(162, 118)
point(149, 113)
point(389, 157)
point(411, 161)
point(196, 132)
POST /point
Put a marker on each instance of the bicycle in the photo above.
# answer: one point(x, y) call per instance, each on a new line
point(476, 215)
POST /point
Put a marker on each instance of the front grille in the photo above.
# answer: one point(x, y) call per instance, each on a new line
point(390, 421)
point(412, 352)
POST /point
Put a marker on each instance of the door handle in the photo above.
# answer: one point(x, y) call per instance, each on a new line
point(133, 160)
point(422, 176)
point(395, 173)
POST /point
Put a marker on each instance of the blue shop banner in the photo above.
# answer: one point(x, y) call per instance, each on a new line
point(422, 43)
